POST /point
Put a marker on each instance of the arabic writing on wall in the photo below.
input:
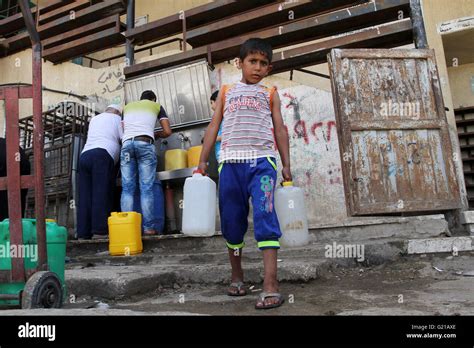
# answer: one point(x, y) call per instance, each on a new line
point(112, 81)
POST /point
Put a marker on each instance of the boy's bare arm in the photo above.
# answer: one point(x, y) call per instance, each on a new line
point(281, 137)
point(211, 134)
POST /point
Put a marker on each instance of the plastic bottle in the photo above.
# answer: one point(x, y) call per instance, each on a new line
point(291, 212)
point(199, 206)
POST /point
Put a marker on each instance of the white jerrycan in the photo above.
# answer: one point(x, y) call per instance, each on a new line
point(291, 212)
point(199, 206)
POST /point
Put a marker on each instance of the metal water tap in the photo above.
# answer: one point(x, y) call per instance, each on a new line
point(163, 144)
point(184, 139)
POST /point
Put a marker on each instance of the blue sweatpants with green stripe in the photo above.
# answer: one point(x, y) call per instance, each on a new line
point(237, 183)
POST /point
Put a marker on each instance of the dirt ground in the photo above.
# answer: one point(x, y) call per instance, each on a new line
point(439, 284)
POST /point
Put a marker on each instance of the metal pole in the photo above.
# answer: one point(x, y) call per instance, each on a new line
point(29, 22)
point(12, 96)
point(419, 33)
point(38, 133)
point(130, 48)
point(185, 34)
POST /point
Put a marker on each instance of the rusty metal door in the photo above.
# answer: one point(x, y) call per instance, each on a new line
point(395, 149)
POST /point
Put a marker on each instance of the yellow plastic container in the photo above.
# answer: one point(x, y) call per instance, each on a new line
point(176, 159)
point(125, 234)
point(194, 153)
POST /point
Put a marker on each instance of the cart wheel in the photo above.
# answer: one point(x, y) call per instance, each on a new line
point(42, 290)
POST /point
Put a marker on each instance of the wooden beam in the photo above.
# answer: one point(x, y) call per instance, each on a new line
point(265, 16)
point(63, 11)
point(59, 26)
point(16, 22)
point(384, 36)
point(82, 17)
point(88, 44)
point(195, 17)
point(107, 23)
point(312, 28)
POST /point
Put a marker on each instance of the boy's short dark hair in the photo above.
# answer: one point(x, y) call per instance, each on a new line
point(214, 95)
point(149, 95)
point(256, 45)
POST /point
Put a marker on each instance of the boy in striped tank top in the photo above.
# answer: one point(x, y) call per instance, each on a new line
point(247, 167)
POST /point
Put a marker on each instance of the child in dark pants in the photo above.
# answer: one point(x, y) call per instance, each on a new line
point(247, 166)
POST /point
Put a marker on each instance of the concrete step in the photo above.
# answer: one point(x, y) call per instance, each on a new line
point(178, 259)
point(356, 230)
point(439, 245)
point(117, 277)
point(112, 283)
point(373, 251)
point(120, 277)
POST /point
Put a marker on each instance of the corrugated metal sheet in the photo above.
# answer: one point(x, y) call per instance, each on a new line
point(184, 91)
point(395, 147)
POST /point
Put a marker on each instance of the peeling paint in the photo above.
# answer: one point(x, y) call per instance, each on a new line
point(402, 157)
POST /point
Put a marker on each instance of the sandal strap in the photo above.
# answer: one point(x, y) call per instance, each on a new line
point(237, 285)
point(265, 295)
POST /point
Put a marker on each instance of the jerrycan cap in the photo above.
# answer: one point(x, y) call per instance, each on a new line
point(287, 183)
point(198, 171)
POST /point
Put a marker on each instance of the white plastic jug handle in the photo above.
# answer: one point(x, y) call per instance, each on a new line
point(198, 172)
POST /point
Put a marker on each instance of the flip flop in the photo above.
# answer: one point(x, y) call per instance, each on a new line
point(265, 295)
point(239, 286)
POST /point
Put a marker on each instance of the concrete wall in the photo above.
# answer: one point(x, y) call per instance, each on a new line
point(461, 80)
point(311, 80)
point(314, 149)
point(101, 85)
point(434, 13)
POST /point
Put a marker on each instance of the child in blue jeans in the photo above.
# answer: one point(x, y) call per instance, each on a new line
point(247, 166)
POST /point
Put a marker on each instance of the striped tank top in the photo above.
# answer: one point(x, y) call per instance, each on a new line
point(247, 123)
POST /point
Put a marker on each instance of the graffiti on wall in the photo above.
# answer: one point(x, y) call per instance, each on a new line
point(314, 150)
point(112, 84)
point(112, 81)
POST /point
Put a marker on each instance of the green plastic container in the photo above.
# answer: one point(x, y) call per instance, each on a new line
point(56, 238)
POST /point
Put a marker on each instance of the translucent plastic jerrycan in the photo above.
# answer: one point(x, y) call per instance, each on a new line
point(199, 206)
point(291, 212)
